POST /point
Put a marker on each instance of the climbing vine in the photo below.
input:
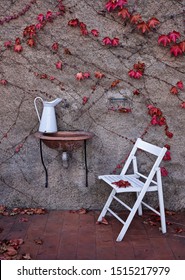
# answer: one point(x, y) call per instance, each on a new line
point(125, 15)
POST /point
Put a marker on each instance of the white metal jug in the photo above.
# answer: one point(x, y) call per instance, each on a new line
point(48, 123)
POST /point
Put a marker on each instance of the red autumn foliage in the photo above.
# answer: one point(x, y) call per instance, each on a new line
point(136, 18)
point(3, 82)
point(99, 75)
point(115, 83)
point(121, 184)
point(107, 41)
point(18, 47)
point(174, 90)
point(175, 50)
point(55, 46)
point(73, 22)
point(40, 17)
point(59, 65)
point(103, 221)
point(180, 84)
point(168, 133)
point(124, 13)
point(167, 156)
point(29, 31)
point(136, 92)
point(164, 40)
point(79, 76)
point(174, 35)
point(153, 22)
point(182, 46)
point(143, 26)
point(95, 32)
point(124, 110)
point(115, 42)
point(31, 42)
point(8, 44)
point(49, 15)
point(113, 4)
point(84, 100)
point(183, 105)
point(164, 172)
point(138, 70)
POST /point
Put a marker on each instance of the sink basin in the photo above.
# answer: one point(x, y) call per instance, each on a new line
point(64, 140)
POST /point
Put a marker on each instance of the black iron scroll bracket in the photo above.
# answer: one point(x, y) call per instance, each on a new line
point(45, 169)
point(85, 159)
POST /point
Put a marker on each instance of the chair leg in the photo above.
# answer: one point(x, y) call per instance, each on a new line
point(131, 215)
point(161, 203)
point(140, 210)
point(107, 204)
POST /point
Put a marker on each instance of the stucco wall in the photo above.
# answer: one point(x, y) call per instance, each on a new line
point(32, 72)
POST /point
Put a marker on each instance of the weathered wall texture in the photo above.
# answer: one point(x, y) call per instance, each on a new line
point(32, 72)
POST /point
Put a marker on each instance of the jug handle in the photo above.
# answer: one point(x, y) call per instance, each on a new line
point(36, 106)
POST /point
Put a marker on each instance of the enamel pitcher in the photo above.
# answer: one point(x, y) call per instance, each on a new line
point(48, 123)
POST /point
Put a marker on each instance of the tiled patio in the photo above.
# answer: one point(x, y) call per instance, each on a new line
point(64, 235)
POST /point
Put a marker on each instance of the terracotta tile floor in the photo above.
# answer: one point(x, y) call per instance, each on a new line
point(64, 235)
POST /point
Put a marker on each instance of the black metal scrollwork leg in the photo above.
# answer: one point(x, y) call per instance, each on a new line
point(46, 172)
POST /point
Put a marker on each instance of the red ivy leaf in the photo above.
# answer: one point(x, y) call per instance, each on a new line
point(182, 46)
point(115, 42)
point(136, 18)
point(115, 83)
point(124, 13)
point(153, 22)
point(99, 75)
point(86, 75)
point(164, 172)
point(95, 32)
point(138, 74)
point(49, 15)
point(121, 184)
point(40, 18)
point(103, 221)
point(3, 82)
point(136, 92)
point(84, 100)
point(174, 90)
point(59, 65)
point(167, 156)
point(107, 41)
point(79, 76)
point(55, 46)
point(124, 110)
point(143, 26)
point(31, 42)
point(183, 105)
point(164, 40)
point(180, 84)
point(178, 230)
point(174, 35)
point(73, 22)
point(132, 73)
point(169, 134)
point(176, 50)
point(8, 44)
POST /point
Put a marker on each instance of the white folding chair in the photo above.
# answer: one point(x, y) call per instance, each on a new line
point(138, 183)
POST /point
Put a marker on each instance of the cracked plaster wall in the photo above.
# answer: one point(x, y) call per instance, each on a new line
point(21, 174)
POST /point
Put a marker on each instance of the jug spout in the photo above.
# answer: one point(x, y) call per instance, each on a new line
point(53, 103)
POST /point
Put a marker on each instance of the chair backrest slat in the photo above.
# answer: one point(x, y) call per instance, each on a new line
point(150, 148)
point(147, 147)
